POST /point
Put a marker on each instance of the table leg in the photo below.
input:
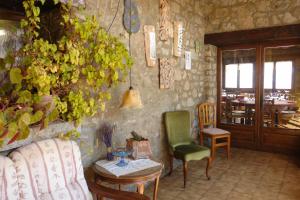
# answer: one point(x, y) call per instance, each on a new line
point(155, 188)
point(141, 188)
point(228, 147)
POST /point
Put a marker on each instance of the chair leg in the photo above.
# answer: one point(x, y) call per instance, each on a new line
point(201, 138)
point(213, 148)
point(209, 159)
point(228, 147)
point(171, 165)
point(184, 172)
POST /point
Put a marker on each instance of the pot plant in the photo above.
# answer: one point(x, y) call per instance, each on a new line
point(75, 72)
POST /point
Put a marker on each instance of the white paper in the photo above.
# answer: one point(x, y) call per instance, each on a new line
point(152, 45)
point(133, 166)
point(188, 60)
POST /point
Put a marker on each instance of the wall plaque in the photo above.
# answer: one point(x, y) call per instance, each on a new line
point(166, 73)
point(150, 45)
point(188, 60)
point(164, 24)
point(178, 38)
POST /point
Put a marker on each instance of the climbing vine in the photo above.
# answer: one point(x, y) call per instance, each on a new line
point(67, 79)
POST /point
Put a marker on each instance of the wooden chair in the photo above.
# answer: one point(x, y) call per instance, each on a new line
point(181, 146)
point(207, 124)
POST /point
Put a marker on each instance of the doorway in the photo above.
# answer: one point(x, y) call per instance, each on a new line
point(259, 96)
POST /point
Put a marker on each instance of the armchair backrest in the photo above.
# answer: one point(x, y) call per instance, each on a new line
point(50, 169)
point(178, 127)
point(207, 115)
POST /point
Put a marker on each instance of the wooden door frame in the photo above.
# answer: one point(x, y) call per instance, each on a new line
point(259, 39)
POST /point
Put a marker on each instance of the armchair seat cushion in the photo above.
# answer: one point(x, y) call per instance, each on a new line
point(191, 152)
point(214, 131)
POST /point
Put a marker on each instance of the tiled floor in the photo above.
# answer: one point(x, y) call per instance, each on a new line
point(248, 175)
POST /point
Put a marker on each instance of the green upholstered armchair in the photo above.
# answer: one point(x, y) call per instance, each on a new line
point(180, 142)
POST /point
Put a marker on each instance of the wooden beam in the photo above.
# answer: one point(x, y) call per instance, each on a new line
point(254, 36)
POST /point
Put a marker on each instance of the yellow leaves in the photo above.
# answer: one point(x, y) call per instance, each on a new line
point(54, 68)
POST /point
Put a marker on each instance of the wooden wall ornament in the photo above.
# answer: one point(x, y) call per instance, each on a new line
point(131, 19)
point(178, 38)
point(166, 74)
point(150, 45)
point(164, 24)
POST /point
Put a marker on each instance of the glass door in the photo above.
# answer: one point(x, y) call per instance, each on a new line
point(237, 101)
point(281, 97)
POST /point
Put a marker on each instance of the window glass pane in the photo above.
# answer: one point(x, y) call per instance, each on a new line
point(231, 76)
point(284, 72)
point(268, 75)
point(246, 75)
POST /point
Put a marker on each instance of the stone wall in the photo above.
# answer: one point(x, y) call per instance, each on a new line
point(231, 15)
point(189, 88)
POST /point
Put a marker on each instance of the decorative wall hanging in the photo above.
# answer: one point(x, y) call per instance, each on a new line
point(178, 38)
point(131, 98)
point(197, 44)
point(188, 60)
point(150, 45)
point(131, 19)
point(164, 24)
point(166, 74)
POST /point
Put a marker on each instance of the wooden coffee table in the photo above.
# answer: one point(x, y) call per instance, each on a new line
point(137, 178)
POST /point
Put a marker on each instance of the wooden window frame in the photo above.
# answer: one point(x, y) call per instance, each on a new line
point(238, 89)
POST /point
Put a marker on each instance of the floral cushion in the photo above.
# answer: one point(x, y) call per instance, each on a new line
point(50, 169)
point(8, 180)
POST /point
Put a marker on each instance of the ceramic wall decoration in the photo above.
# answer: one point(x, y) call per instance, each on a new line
point(166, 74)
point(178, 38)
point(197, 46)
point(150, 45)
point(164, 24)
point(188, 60)
point(131, 19)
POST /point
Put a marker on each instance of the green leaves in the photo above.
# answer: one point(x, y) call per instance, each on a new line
point(25, 97)
point(15, 75)
point(12, 129)
point(78, 71)
point(36, 117)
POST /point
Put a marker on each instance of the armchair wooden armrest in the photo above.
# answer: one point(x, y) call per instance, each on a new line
point(100, 192)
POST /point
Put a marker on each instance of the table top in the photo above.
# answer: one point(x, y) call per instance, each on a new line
point(143, 175)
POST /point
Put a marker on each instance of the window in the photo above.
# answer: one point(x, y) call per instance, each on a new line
point(231, 73)
point(278, 75)
point(239, 75)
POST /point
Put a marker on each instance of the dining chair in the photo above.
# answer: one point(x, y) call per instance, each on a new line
point(207, 126)
point(181, 145)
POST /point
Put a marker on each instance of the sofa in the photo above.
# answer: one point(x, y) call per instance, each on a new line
point(50, 169)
